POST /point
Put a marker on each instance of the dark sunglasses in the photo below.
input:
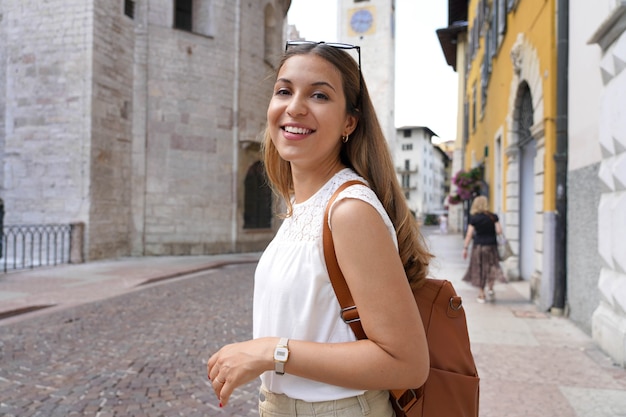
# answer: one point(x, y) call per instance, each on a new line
point(289, 44)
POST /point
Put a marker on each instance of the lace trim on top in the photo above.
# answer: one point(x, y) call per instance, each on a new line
point(306, 220)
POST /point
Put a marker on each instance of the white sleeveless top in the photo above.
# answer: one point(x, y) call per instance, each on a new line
point(293, 296)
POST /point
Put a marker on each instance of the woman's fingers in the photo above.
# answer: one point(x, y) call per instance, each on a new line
point(237, 364)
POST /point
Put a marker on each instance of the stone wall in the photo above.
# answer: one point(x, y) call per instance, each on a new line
point(583, 197)
point(47, 90)
point(138, 130)
point(111, 132)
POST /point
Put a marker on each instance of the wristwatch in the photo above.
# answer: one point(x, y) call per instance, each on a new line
point(281, 355)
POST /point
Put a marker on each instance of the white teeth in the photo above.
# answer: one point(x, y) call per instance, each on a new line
point(297, 130)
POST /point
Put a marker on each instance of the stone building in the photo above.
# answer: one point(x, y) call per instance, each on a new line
point(140, 119)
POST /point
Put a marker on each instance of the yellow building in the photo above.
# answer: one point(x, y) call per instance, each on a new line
point(509, 118)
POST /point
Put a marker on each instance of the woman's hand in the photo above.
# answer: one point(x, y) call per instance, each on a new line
point(239, 363)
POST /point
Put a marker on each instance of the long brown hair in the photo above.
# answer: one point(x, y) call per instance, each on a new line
point(367, 153)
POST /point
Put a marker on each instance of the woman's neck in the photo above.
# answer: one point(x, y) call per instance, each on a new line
point(307, 182)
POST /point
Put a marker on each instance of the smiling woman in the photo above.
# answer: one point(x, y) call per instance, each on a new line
point(322, 132)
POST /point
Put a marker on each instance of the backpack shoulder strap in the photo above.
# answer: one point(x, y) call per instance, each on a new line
point(349, 312)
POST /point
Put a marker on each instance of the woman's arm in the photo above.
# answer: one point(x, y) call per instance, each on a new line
point(394, 356)
point(468, 239)
point(498, 228)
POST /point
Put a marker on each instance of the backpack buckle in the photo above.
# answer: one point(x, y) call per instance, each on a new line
point(349, 315)
point(406, 401)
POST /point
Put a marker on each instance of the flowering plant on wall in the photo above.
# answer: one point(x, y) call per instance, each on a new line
point(467, 185)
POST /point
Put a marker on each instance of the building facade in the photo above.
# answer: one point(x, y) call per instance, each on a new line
point(140, 119)
point(509, 111)
point(423, 170)
point(597, 171)
point(543, 99)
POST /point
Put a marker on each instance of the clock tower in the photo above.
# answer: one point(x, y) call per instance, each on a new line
point(371, 25)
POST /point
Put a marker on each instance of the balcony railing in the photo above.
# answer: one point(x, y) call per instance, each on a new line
point(30, 246)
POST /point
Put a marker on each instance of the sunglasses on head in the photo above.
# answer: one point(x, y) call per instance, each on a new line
point(337, 45)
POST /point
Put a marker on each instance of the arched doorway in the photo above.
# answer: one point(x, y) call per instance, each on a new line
point(527, 153)
point(257, 199)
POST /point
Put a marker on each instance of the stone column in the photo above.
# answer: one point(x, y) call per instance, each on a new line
point(77, 242)
point(511, 265)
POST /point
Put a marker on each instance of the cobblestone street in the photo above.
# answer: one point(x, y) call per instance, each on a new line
point(139, 354)
point(144, 353)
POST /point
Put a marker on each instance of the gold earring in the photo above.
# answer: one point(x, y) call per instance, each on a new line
point(345, 138)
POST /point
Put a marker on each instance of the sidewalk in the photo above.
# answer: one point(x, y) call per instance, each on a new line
point(47, 289)
point(530, 363)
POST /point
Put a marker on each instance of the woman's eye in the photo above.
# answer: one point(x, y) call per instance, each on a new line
point(320, 96)
point(282, 92)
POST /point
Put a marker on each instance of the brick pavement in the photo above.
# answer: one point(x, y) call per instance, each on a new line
point(140, 351)
point(141, 354)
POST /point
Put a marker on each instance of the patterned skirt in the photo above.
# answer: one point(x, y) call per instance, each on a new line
point(484, 268)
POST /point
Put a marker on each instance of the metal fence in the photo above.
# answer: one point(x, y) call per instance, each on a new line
point(30, 246)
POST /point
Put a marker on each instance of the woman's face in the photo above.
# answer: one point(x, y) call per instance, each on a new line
point(307, 113)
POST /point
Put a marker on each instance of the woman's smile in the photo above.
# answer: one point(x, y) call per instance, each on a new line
point(292, 132)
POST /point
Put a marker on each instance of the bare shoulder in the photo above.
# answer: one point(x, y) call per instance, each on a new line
point(352, 212)
point(353, 219)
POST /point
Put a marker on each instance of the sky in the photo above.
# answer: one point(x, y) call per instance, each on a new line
point(426, 86)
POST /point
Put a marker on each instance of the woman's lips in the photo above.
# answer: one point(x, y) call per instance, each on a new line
point(296, 132)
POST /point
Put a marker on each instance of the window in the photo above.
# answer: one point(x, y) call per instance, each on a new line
point(484, 76)
point(183, 17)
point(194, 16)
point(501, 11)
point(407, 164)
point(407, 146)
point(406, 183)
point(129, 8)
point(465, 121)
point(510, 5)
point(474, 107)
point(407, 133)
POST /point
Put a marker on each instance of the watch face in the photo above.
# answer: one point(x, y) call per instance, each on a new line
point(281, 354)
point(361, 20)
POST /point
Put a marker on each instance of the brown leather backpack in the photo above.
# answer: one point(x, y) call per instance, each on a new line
point(452, 387)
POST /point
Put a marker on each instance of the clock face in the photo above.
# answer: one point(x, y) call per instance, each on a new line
point(361, 20)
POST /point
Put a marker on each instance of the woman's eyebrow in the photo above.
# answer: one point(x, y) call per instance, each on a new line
point(315, 84)
point(322, 83)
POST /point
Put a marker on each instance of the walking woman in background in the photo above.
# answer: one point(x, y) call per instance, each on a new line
point(484, 268)
point(322, 131)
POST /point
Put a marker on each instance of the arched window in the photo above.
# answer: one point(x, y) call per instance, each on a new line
point(257, 199)
point(525, 113)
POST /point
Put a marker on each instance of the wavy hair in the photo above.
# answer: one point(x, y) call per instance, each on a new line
point(479, 205)
point(367, 153)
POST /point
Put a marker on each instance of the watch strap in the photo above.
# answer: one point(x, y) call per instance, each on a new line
point(279, 366)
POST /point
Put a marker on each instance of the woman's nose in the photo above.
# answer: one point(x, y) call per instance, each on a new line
point(297, 106)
